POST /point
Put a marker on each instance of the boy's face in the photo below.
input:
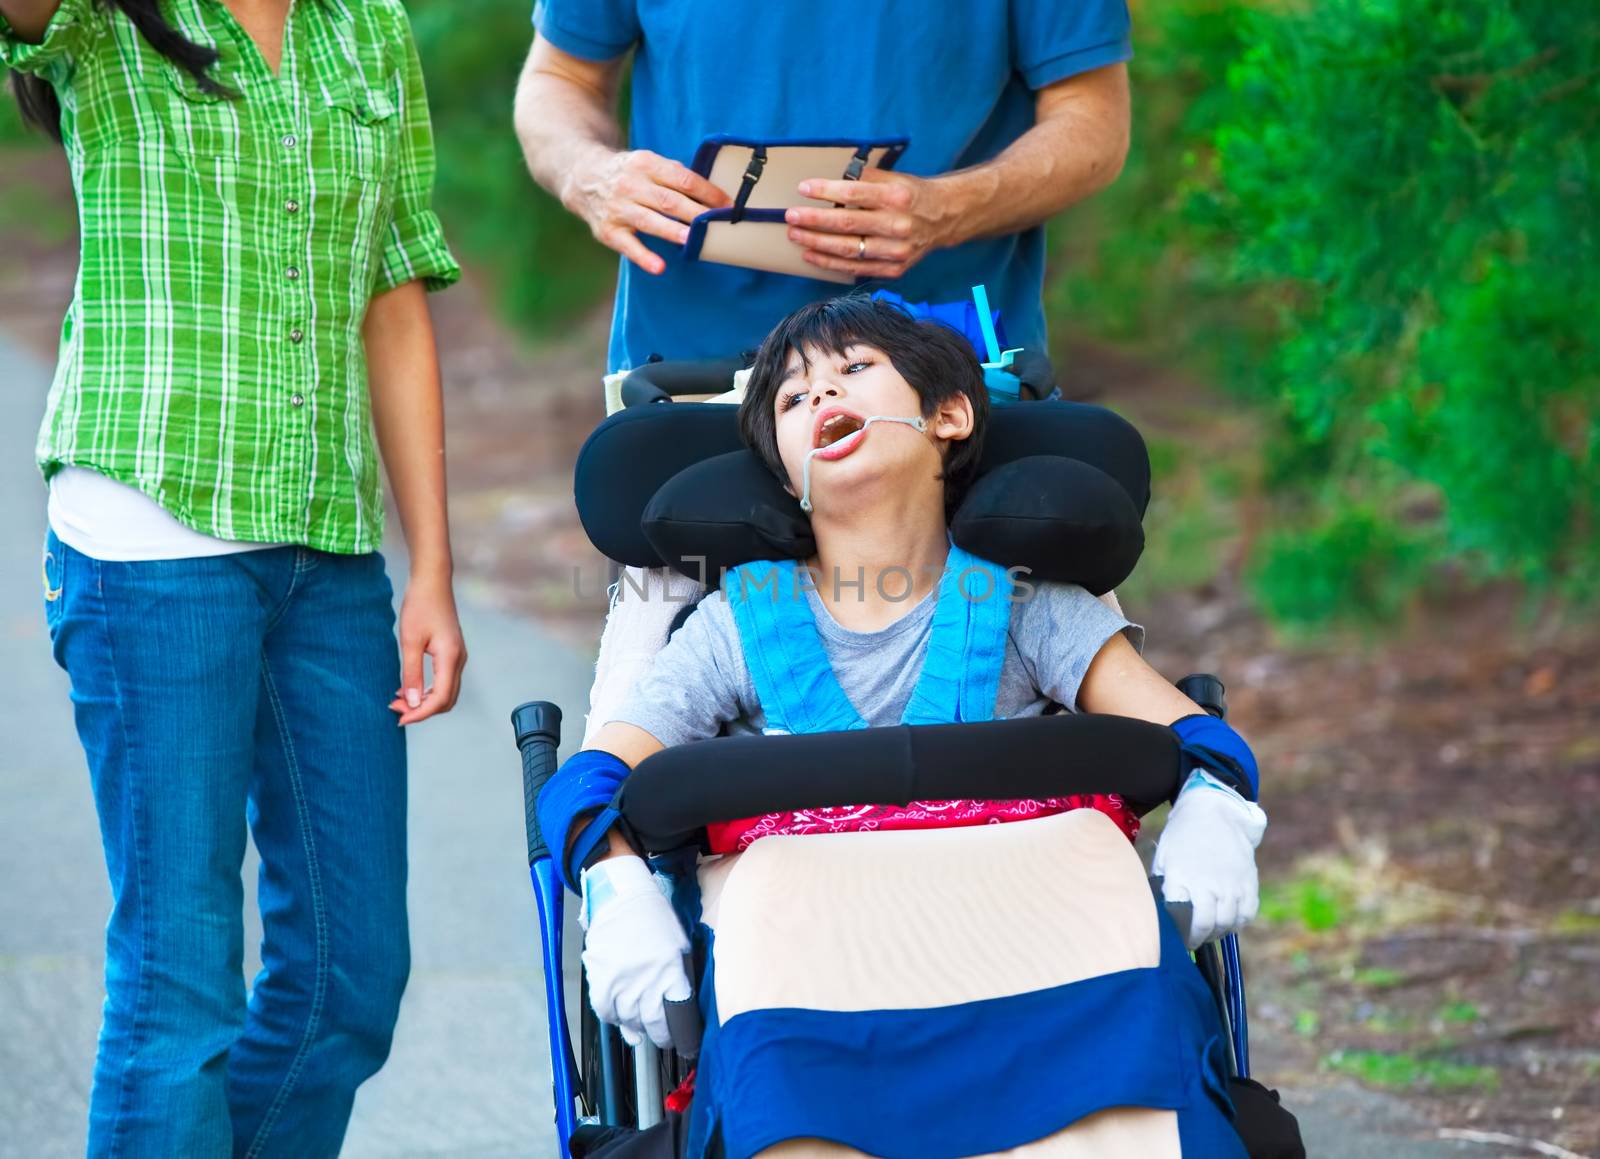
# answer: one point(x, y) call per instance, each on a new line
point(824, 401)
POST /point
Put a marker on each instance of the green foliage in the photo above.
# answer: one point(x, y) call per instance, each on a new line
point(1354, 563)
point(1385, 227)
point(1458, 1013)
point(1410, 182)
point(1376, 977)
point(1382, 1068)
point(1130, 265)
point(544, 266)
point(1308, 900)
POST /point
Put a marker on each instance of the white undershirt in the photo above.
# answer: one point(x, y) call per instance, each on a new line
point(109, 520)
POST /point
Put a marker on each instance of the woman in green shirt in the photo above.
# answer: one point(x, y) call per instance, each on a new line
point(253, 181)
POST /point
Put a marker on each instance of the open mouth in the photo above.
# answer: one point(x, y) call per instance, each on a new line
point(836, 427)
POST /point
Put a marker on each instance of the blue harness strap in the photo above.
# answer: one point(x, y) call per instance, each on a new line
point(795, 683)
point(960, 679)
point(783, 650)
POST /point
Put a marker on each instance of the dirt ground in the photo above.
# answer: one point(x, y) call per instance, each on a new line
point(1431, 915)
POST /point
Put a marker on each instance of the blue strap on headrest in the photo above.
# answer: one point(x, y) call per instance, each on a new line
point(586, 782)
point(1213, 744)
point(961, 317)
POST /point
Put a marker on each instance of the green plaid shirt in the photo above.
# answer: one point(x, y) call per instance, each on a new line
point(212, 354)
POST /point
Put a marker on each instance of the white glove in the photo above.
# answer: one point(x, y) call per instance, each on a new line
point(1207, 857)
point(633, 949)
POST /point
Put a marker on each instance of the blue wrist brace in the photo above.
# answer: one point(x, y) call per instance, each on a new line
point(586, 782)
point(1212, 744)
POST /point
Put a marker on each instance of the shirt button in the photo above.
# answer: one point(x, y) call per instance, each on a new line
point(291, 206)
point(292, 273)
point(290, 140)
point(296, 335)
point(297, 400)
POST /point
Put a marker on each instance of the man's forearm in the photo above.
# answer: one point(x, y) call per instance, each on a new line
point(29, 17)
point(565, 117)
point(408, 416)
point(1075, 149)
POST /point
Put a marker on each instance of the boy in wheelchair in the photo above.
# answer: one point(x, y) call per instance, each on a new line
point(876, 423)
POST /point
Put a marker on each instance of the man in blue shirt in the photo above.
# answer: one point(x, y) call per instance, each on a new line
point(1013, 111)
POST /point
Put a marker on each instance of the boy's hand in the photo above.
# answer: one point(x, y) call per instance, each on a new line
point(633, 949)
point(1207, 857)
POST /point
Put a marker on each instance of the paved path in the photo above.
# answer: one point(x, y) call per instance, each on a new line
point(468, 1078)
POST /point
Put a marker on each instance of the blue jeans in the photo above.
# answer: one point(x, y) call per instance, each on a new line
point(208, 692)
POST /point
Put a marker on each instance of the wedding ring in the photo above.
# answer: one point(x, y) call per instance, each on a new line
point(861, 252)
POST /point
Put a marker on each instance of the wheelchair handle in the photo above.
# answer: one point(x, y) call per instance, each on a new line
point(663, 381)
point(538, 727)
point(1207, 691)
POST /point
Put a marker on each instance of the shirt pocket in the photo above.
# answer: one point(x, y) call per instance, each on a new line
point(202, 123)
point(363, 129)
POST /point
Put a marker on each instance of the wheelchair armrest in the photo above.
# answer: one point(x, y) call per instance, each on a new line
point(672, 796)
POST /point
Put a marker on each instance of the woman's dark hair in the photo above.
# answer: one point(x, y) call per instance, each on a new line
point(37, 100)
point(938, 362)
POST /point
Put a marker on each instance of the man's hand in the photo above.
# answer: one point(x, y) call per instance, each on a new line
point(633, 949)
point(429, 626)
point(890, 221)
point(621, 195)
point(1207, 856)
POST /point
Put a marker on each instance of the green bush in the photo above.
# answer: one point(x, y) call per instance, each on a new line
point(543, 264)
point(1383, 227)
point(1411, 184)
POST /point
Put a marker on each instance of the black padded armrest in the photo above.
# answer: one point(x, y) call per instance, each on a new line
point(673, 795)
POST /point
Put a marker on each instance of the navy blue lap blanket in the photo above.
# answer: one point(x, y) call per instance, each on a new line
point(1062, 488)
point(974, 1078)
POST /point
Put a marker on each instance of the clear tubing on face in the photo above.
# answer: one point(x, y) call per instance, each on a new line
point(919, 424)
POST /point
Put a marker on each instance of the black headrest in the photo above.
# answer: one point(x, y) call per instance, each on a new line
point(1061, 490)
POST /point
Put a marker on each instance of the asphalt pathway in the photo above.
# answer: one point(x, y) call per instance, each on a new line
point(469, 1078)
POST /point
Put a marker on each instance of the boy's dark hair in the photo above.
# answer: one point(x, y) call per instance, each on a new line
point(938, 362)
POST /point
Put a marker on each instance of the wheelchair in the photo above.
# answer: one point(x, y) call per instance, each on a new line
point(664, 482)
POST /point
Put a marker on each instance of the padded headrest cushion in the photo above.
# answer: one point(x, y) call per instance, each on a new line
point(729, 509)
point(1061, 518)
point(627, 458)
point(661, 484)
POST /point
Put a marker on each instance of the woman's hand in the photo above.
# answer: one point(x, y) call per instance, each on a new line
point(621, 195)
point(889, 223)
point(429, 626)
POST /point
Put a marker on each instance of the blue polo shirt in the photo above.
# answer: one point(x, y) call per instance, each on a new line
point(956, 78)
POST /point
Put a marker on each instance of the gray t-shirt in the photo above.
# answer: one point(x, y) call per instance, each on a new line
point(699, 682)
